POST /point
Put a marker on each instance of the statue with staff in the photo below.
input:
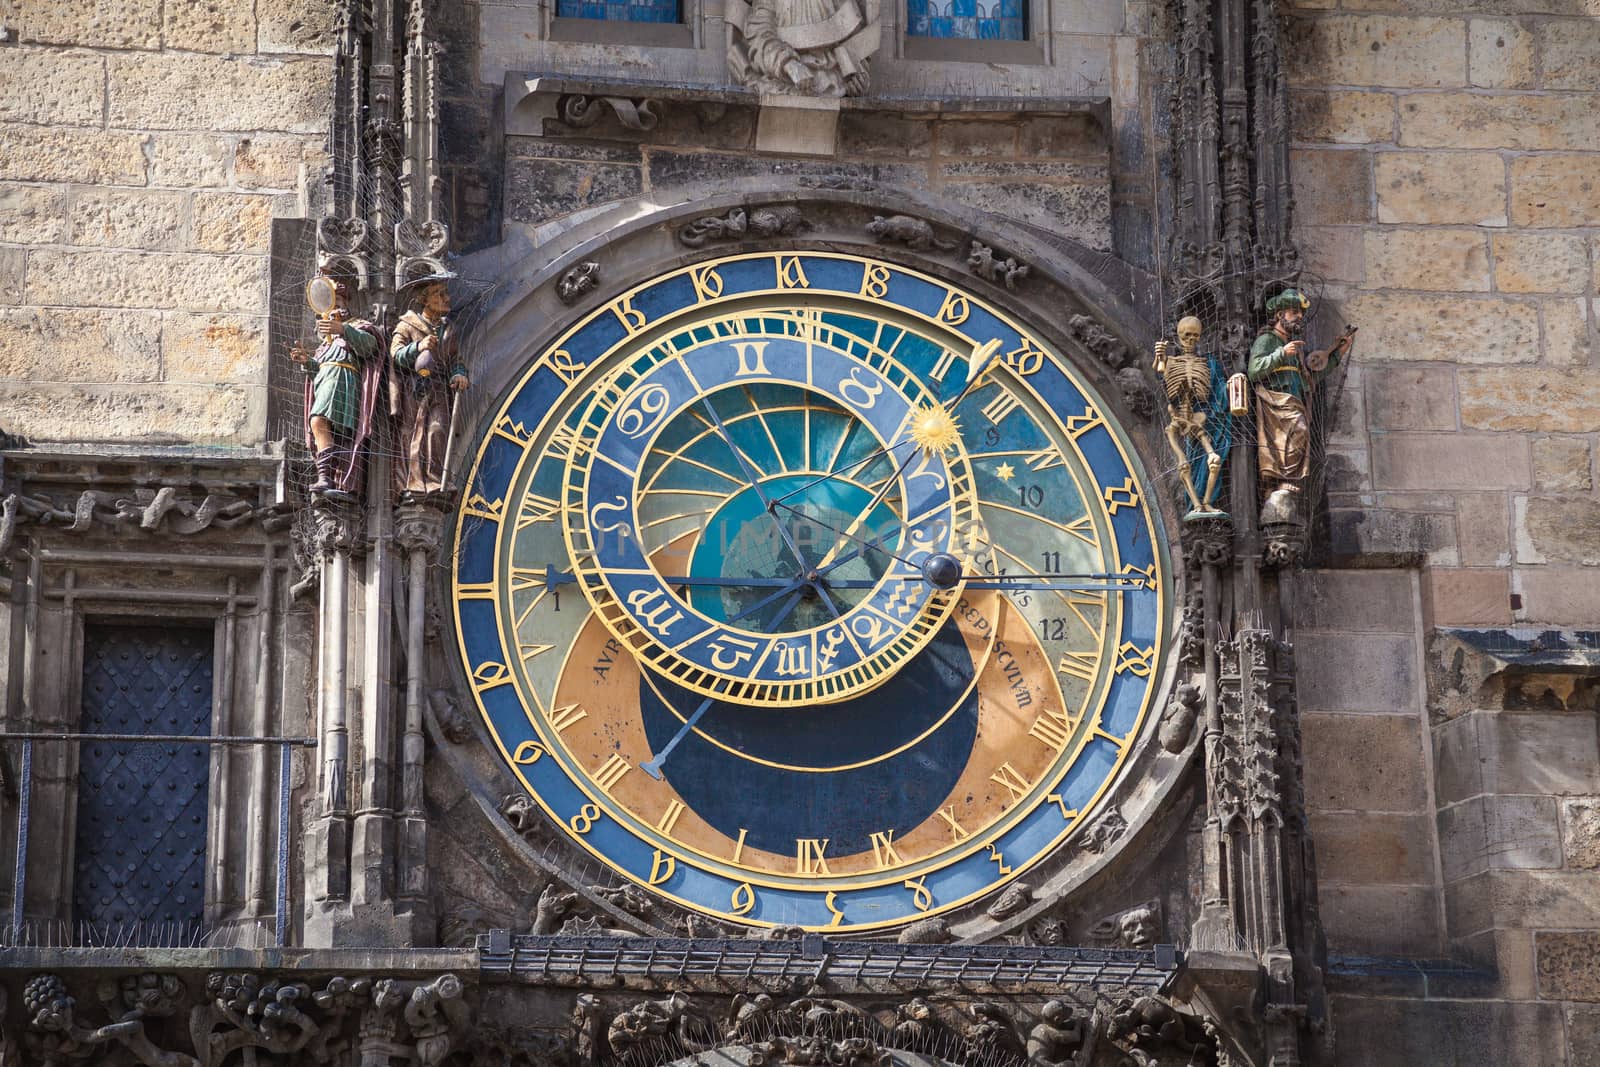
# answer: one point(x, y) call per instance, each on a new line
point(343, 382)
point(428, 378)
point(1285, 375)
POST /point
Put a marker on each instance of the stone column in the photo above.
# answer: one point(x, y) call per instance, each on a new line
point(418, 529)
point(327, 860)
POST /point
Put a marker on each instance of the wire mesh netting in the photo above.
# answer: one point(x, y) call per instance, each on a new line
point(1198, 406)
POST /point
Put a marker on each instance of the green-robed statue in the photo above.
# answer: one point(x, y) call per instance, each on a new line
point(1284, 375)
point(343, 379)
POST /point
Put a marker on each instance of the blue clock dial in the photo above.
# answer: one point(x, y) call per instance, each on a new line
point(758, 587)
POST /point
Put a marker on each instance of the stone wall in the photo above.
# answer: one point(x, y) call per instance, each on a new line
point(1050, 171)
point(1444, 188)
point(144, 149)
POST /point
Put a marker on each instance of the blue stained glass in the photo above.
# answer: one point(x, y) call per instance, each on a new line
point(971, 20)
point(623, 11)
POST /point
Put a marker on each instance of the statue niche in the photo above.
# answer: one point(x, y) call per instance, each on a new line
point(802, 47)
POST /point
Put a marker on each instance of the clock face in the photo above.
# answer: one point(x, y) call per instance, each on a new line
point(805, 589)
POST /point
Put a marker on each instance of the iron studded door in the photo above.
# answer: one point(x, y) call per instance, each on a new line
point(141, 834)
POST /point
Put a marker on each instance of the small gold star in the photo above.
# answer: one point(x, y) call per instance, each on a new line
point(934, 429)
point(1005, 472)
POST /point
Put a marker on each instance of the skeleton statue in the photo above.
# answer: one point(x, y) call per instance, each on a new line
point(1188, 376)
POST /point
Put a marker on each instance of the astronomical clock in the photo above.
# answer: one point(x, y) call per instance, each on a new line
point(805, 589)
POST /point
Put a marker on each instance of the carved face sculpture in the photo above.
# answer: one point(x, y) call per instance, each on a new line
point(682, 625)
point(1138, 928)
point(1291, 320)
point(436, 300)
point(1189, 329)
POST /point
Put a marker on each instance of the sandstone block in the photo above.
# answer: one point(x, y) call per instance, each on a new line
point(191, 92)
point(538, 190)
point(128, 218)
point(1560, 529)
point(1387, 537)
point(861, 134)
point(148, 279)
point(13, 261)
point(1583, 1036)
point(1530, 398)
point(1502, 54)
point(1378, 1032)
point(270, 162)
point(210, 26)
point(1484, 522)
point(1333, 252)
point(1567, 53)
point(977, 138)
point(78, 345)
point(1498, 833)
point(1380, 50)
point(1580, 832)
point(1332, 188)
point(1554, 190)
point(1343, 117)
point(1475, 120)
point(1365, 848)
point(49, 154)
point(1509, 952)
point(1561, 465)
point(200, 414)
point(1411, 398)
point(1522, 900)
point(213, 348)
point(1566, 331)
point(32, 214)
point(189, 160)
point(1569, 965)
point(1540, 263)
point(1364, 762)
point(1440, 187)
point(1377, 601)
point(1534, 753)
point(232, 222)
point(52, 88)
point(1081, 212)
point(294, 26)
point(1559, 596)
point(1470, 597)
point(1063, 137)
point(1381, 920)
point(1356, 672)
point(1427, 259)
point(1410, 328)
point(93, 23)
point(1450, 461)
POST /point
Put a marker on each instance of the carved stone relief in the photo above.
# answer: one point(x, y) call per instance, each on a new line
point(776, 221)
point(802, 47)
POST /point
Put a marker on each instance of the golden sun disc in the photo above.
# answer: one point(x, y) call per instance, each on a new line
point(934, 429)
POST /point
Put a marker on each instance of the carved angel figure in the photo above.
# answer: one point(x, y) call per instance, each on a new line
point(1191, 393)
point(805, 47)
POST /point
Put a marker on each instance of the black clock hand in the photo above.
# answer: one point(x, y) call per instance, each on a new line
point(827, 565)
point(761, 494)
point(943, 571)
